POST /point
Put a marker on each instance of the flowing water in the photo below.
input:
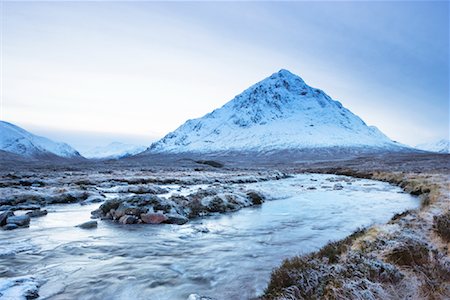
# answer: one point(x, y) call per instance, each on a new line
point(228, 256)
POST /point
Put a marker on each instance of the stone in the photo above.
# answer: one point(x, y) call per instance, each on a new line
point(37, 213)
point(110, 204)
point(92, 199)
point(127, 219)
point(176, 219)
point(4, 216)
point(216, 204)
point(19, 220)
point(153, 218)
point(88, 225)
point(126, 209)
point(338, 186)
point(10, 227)
point(256, 198)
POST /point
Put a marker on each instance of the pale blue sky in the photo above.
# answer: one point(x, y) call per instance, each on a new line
point(93, 72)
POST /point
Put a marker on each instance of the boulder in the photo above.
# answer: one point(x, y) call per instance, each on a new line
point(153, 218)
point(128, 219)
point(176, 219)
point(19, 220)
point(88, 225)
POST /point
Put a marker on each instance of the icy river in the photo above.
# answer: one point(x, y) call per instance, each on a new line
point(227, 256)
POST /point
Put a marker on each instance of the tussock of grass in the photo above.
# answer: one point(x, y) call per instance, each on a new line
point(442, 226)
point(409, 253)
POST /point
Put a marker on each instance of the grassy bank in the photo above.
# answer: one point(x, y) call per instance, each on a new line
point(407, 258)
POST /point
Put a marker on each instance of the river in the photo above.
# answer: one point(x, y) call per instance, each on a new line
point(228, 256)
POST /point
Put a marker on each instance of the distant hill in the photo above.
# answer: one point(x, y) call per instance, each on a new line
point(18, 141)
point(113, 151)
point(441, 146)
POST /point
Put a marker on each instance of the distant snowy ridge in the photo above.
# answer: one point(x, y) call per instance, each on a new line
point(113, 150)
point(16, 140)
point(280, 112)
point(441, 146)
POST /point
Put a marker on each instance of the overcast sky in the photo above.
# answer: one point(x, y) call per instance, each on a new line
point(89, 73)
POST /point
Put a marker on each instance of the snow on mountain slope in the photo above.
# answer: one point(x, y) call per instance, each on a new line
point(113, 150)
point(19, 141)
point(441, 146)
point(280, 112)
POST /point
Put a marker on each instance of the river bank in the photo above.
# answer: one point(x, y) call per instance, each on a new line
point(407, 258)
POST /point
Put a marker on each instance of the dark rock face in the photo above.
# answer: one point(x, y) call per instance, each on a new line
point(88, 225)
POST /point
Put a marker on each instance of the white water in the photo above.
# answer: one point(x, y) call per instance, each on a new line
point(224, 256)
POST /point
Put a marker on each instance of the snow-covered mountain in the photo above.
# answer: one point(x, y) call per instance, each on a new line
point(280, 112)
point(16, 140)
point(441, 146)
point(113, 150)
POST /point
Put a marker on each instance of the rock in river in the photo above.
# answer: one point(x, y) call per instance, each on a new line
point(176, 219)
point(19, 220)
point(88, 225)
point(128, 219)
point(4, 216)
point(37, 213)
point(153, 218)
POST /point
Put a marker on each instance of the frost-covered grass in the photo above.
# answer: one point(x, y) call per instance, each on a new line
point(442, 226)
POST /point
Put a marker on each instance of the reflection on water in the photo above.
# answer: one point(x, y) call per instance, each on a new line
point(225, 256)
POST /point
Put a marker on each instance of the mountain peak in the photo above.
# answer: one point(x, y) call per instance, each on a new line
point(284, 78)
point(279, 112)
point(283, 73)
